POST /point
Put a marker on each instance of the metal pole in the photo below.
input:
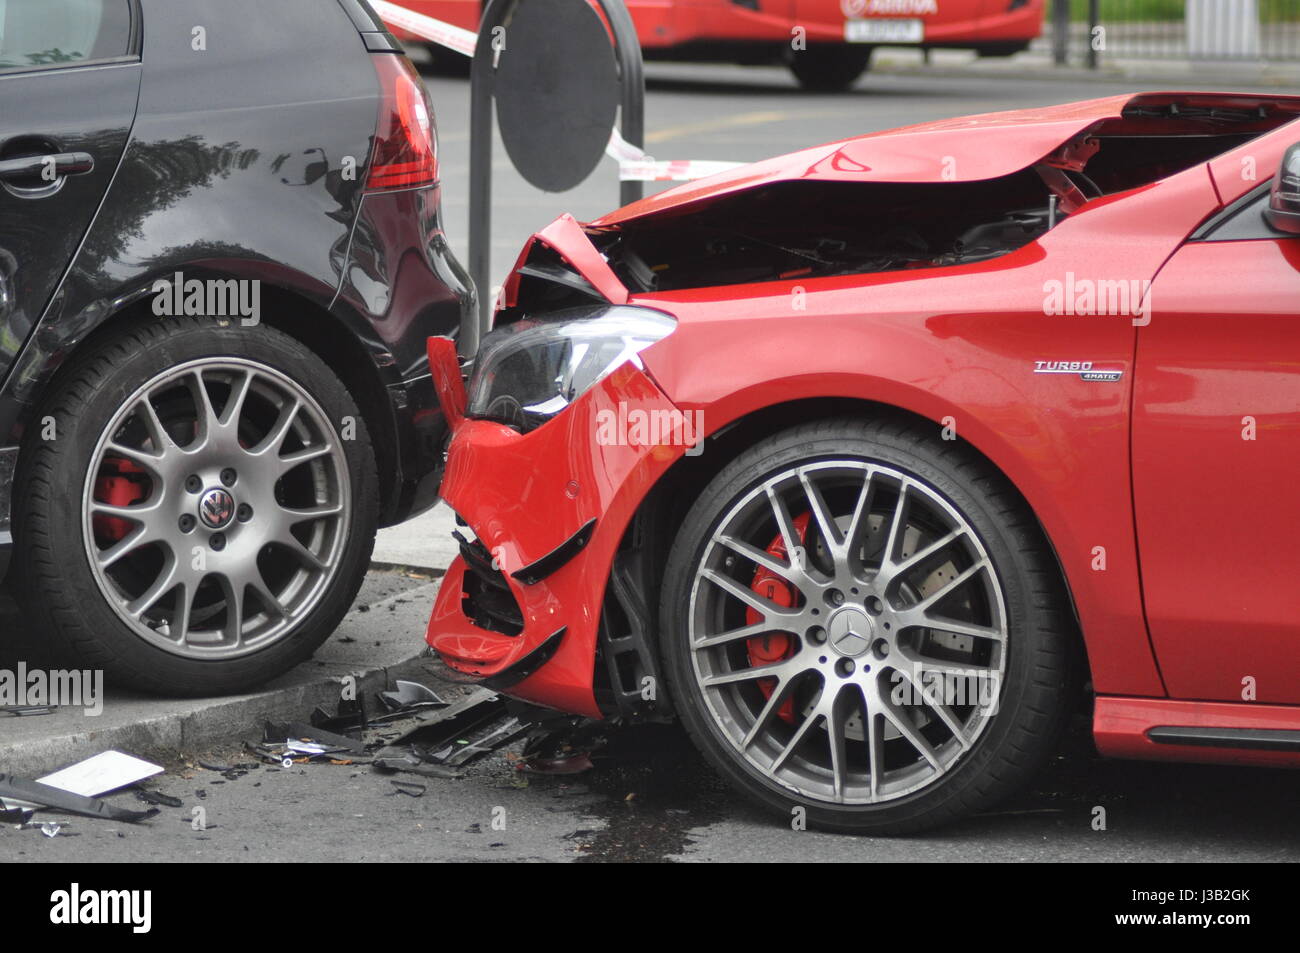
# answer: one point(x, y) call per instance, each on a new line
point(1061, 32)
point(627, 48)
point(1094, 16)
point(481, 73)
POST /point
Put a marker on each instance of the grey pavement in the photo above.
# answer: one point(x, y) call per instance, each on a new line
point(380, 637)
point(424, 542)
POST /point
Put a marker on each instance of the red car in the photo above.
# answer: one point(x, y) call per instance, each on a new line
point(826, 43)
point(866, 461)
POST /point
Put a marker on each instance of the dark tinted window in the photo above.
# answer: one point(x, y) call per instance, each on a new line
point(1243, 220)
point(43, 33)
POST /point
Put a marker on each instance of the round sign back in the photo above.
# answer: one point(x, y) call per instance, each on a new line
point(556, 90)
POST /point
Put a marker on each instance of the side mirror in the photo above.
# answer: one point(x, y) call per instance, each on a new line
point(1283, 211)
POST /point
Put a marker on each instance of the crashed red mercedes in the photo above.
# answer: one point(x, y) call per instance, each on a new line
point(869, 461)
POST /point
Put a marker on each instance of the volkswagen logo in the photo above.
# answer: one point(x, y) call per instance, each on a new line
point(216, 508)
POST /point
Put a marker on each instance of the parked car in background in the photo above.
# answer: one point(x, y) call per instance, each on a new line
point(827, 44)
point(220, 257)
point(864, 461)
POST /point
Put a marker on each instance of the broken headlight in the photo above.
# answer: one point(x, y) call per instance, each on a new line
point(528, 371)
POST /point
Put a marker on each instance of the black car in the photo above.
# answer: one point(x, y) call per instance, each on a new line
point(220, 258)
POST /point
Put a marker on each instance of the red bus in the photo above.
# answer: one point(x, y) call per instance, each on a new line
point(827, 44)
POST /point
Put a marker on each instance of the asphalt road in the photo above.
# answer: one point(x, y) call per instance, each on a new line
point(649, 796)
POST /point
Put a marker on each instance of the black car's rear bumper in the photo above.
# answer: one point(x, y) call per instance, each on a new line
point(421, 439)
point(401, 286)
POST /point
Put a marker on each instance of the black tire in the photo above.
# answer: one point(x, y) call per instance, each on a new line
point(1040, 658)
point(55, 582)
point(829, 69)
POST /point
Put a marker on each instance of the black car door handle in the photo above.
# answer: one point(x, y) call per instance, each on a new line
point(34, 167)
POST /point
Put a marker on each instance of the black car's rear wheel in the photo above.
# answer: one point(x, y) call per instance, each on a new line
point(204, 511)
point(861, 621)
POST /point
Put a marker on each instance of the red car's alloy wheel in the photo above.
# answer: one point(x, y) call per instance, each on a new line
point(895, 599)
point(860, 621)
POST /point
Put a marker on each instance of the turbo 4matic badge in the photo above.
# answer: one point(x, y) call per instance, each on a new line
point(1087, 370)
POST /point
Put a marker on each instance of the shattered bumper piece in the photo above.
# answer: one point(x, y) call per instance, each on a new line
point(548, 509)
point(412, 764)
point(410, 696)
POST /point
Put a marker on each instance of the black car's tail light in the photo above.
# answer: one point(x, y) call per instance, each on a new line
point(406, 150)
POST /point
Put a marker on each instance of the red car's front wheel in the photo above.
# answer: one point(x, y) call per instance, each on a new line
point(861, 621)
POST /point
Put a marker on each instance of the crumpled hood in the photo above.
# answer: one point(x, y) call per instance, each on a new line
point(965, 149)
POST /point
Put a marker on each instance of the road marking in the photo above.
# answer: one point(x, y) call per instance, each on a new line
point(743, 119)
point(712, 125)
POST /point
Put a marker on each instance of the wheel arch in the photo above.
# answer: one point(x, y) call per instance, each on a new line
point(663, 509)
point(286, 306)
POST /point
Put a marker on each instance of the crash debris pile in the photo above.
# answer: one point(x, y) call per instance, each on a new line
point(414, 732)
point(419, 733)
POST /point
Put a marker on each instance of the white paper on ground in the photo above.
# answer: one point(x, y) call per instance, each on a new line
point(306, 747)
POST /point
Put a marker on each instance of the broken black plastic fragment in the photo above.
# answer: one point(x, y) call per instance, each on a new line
point(297, 731)
point(411, 764)
point(231, 772)
point(33, 792)
point(409, 788)
point(564, 745)
point(410, 696)
point(157, 797)
point(483, 740)
point(349, 717)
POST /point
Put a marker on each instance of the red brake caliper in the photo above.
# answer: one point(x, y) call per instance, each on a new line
point(120, 483)
point(774, 646)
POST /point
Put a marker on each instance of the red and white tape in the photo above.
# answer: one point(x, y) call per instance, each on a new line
point(633, 163)
point(635, 166)
point(427, 28)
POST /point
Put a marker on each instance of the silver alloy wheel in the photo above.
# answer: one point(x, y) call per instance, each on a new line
point(887, 618)
point(216, 508)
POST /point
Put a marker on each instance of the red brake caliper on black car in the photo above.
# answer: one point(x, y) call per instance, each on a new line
point(774, 646)
point(120, 483)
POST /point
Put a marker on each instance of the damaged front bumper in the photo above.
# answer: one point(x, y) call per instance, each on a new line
point(543, 514)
